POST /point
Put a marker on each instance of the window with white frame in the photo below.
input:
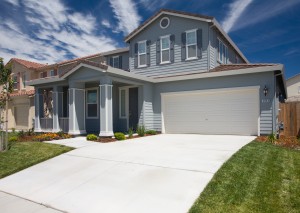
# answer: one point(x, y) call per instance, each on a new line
point(115, 61)
point(52, 73)
point(142, 58)
point(165, 49)
point(92, 103)
point(15, 82)
point(223, 52)
point(122, 103)
point(191, 44)
point(24, 80)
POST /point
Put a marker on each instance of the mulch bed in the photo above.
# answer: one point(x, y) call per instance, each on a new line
point(109, 140)
point(284, 141)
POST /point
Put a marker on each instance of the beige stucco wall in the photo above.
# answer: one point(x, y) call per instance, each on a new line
point(20, 101)
point(293, 86)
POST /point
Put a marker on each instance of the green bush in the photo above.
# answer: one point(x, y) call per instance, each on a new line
point(141, 130)
point(271, 138)
point(151, 132)
point(21, 133)
point(130, 133)
point(120, 136)
point(13, 139)
point(91, 137)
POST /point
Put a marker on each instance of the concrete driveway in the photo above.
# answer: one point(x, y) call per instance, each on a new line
point(163, 173)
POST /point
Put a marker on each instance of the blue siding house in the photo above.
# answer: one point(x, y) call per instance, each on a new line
point(180, 73)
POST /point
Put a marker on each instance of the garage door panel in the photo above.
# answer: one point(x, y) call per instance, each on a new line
point(228, 112)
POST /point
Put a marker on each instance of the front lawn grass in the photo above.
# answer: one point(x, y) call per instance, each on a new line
point(260, 177)
point(25, 154)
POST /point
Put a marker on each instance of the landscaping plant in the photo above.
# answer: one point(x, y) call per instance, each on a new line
point(91, 137)
point(151, 132)
point(120, 136)
point(141, 130)
point(130, 132)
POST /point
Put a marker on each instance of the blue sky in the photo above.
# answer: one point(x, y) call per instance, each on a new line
point(47, 31)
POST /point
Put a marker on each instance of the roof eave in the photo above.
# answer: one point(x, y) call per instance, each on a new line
point(130, 36)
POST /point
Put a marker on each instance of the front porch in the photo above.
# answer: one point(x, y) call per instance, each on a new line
point(89, 107)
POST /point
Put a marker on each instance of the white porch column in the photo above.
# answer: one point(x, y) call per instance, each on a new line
point(57, 107)
point(106, 110)
point(38, 104)
point(77, 109)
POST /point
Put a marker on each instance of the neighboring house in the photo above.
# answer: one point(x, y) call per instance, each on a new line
point(293, 88)
point(21, 104)
point(180, 74)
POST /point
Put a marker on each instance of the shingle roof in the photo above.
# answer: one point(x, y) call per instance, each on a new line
point(20, 93)
point(28, 64)
point(82, 61)
point(225, 67)
point(76, 59)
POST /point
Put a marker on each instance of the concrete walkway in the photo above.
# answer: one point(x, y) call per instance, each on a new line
point(163, 173)
point(77, 142)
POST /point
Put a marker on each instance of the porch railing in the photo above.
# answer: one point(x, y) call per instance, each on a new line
point(46, 124)
point(64, 124)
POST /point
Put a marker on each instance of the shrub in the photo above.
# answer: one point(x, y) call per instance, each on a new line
point(130, 132)
point(151, 132)
point(21, 134)
point(272, 138)
point(13, 130)
point(120, 136)
point(46, 137)
point(91, 137)
point(141, 130)
point(13, 139)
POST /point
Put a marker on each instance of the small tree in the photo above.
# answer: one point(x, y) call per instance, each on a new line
point(6, 83)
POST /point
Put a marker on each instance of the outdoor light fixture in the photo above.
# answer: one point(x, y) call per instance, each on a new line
point(266, 90)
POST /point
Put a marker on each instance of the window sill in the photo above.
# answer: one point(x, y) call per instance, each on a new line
point(165, 62)
point(191, 59)
point(142, 66)
point(122, 117)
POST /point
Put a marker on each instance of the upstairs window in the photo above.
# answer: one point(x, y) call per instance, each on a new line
point(142, 58)
point(223, 53)
point(115, 61)
point(24, 80)
point(52, 73)
point(191, 44)
point(92, 103)
point(165, 49)
point(15, 82)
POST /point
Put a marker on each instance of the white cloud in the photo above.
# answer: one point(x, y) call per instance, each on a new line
point(236, 9)
point(153, 5)
point(127, 15)
point(57, 33)
point(13, 2)
point(264, 10)
point(106, 23)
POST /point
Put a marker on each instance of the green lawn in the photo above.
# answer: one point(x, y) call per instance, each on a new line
point(259, 178)
point(24, 154)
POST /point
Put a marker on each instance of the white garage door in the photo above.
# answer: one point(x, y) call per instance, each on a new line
point(21, 116)
point(226, 111)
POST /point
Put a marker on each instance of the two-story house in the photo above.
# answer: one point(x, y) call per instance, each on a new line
point(181, 73)
point(21, 104)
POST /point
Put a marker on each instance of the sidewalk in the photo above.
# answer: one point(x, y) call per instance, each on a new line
point(77, 142)
point(13, 204)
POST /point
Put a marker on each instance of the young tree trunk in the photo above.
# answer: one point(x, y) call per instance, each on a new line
point(6, 126)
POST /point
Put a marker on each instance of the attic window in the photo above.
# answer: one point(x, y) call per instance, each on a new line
point(164, 22)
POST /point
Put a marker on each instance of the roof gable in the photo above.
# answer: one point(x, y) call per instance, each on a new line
point(167, 12)
point(27, 64)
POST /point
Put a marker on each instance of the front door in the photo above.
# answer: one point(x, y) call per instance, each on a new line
point(133, 108)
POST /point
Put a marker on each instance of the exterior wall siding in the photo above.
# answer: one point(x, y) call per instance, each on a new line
point(125, 60)
point(266, 103)
point(177, 27)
